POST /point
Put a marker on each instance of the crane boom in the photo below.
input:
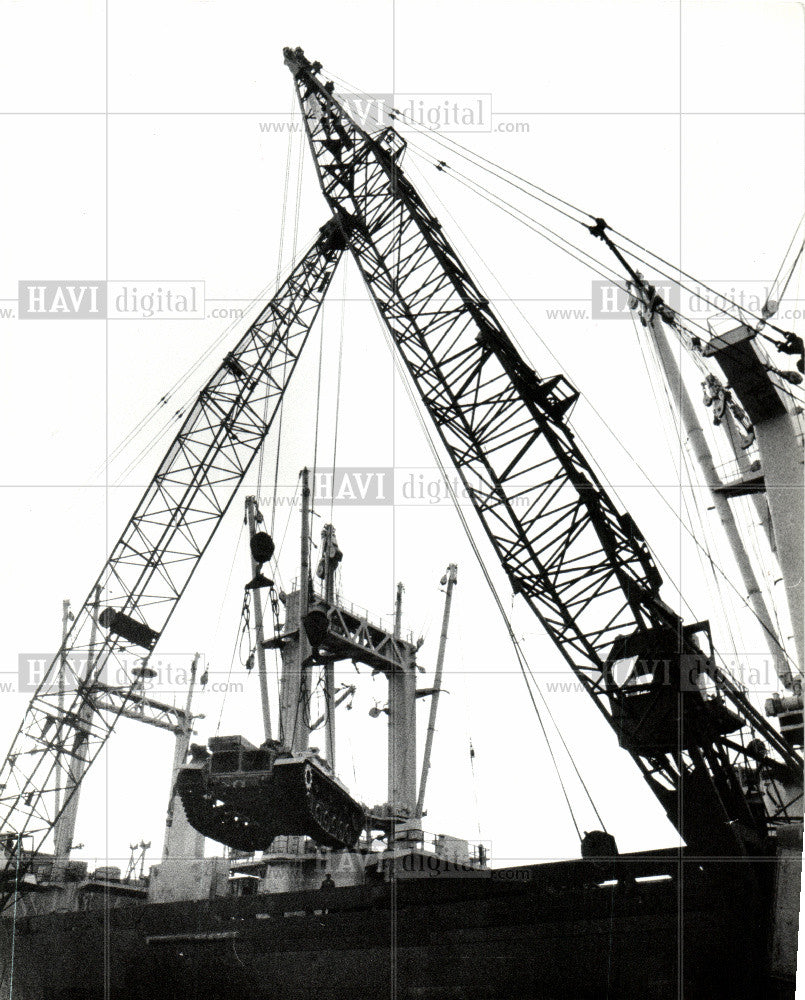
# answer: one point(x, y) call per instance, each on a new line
point(158, 551)
point(581, 565)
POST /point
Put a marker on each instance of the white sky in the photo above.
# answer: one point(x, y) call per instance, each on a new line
point(133, 151)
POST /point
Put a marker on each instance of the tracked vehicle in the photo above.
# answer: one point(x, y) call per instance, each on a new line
point(244, 796)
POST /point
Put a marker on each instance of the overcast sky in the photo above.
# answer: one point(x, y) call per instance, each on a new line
point(145, 147)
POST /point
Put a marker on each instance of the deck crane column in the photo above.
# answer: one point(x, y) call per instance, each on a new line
point(402, 726)
point(650, 316)
point(181, 840)
point(748, 475)
point(337, 631)
point(781, 457)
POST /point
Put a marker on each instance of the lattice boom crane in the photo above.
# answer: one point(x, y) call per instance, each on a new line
point(155, 557)
point(581, 565)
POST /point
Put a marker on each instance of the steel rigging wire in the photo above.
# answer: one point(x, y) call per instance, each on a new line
point(462, 674)
point(681, 323)
point(697, 359)
point(338, 381)
point(772, 304)
point(179, 415)
point(525, 669)
point(301, 159)
point(243, 625)
point(258, 300)
point(283, 222)
point(715, 566)
point(493, 168)
point(441, 137)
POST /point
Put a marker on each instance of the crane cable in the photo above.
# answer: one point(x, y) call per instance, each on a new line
point(283, 220)
point(681, 323)
point(184, 379)
point(259, 299)
point(467, 720)
point(621, 444)
point(316, 427)
point(692, 511)
point(492, 168)
point(281, 414)
point(180, 414)
point(534, 224)
point(338, 382)
point(524, 666)
point(465, 153)
point(771, 306)
point(237, 647)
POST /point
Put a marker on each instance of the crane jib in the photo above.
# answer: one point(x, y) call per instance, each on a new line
point(153, 561)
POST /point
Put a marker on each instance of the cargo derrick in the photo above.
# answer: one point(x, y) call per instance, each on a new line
point(152, 563)
point(580, 564)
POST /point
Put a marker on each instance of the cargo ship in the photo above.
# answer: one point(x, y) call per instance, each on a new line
point(317, 894)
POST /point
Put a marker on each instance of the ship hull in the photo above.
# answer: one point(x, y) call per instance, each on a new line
point(569, 930)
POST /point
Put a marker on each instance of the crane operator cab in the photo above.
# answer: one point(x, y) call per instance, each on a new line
point(661, 690)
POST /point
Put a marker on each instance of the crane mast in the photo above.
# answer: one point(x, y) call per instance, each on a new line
point(580, 564)
point(156, 555)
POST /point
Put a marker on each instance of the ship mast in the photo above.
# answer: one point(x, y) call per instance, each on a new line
point(782, 469)
point(749, 375)
point(64, 827)
point(450, 579)
point(253, 518)
point(66, 618)
point(296, 653)
point(329, 562)
point(402, 727)
point(182, 842)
